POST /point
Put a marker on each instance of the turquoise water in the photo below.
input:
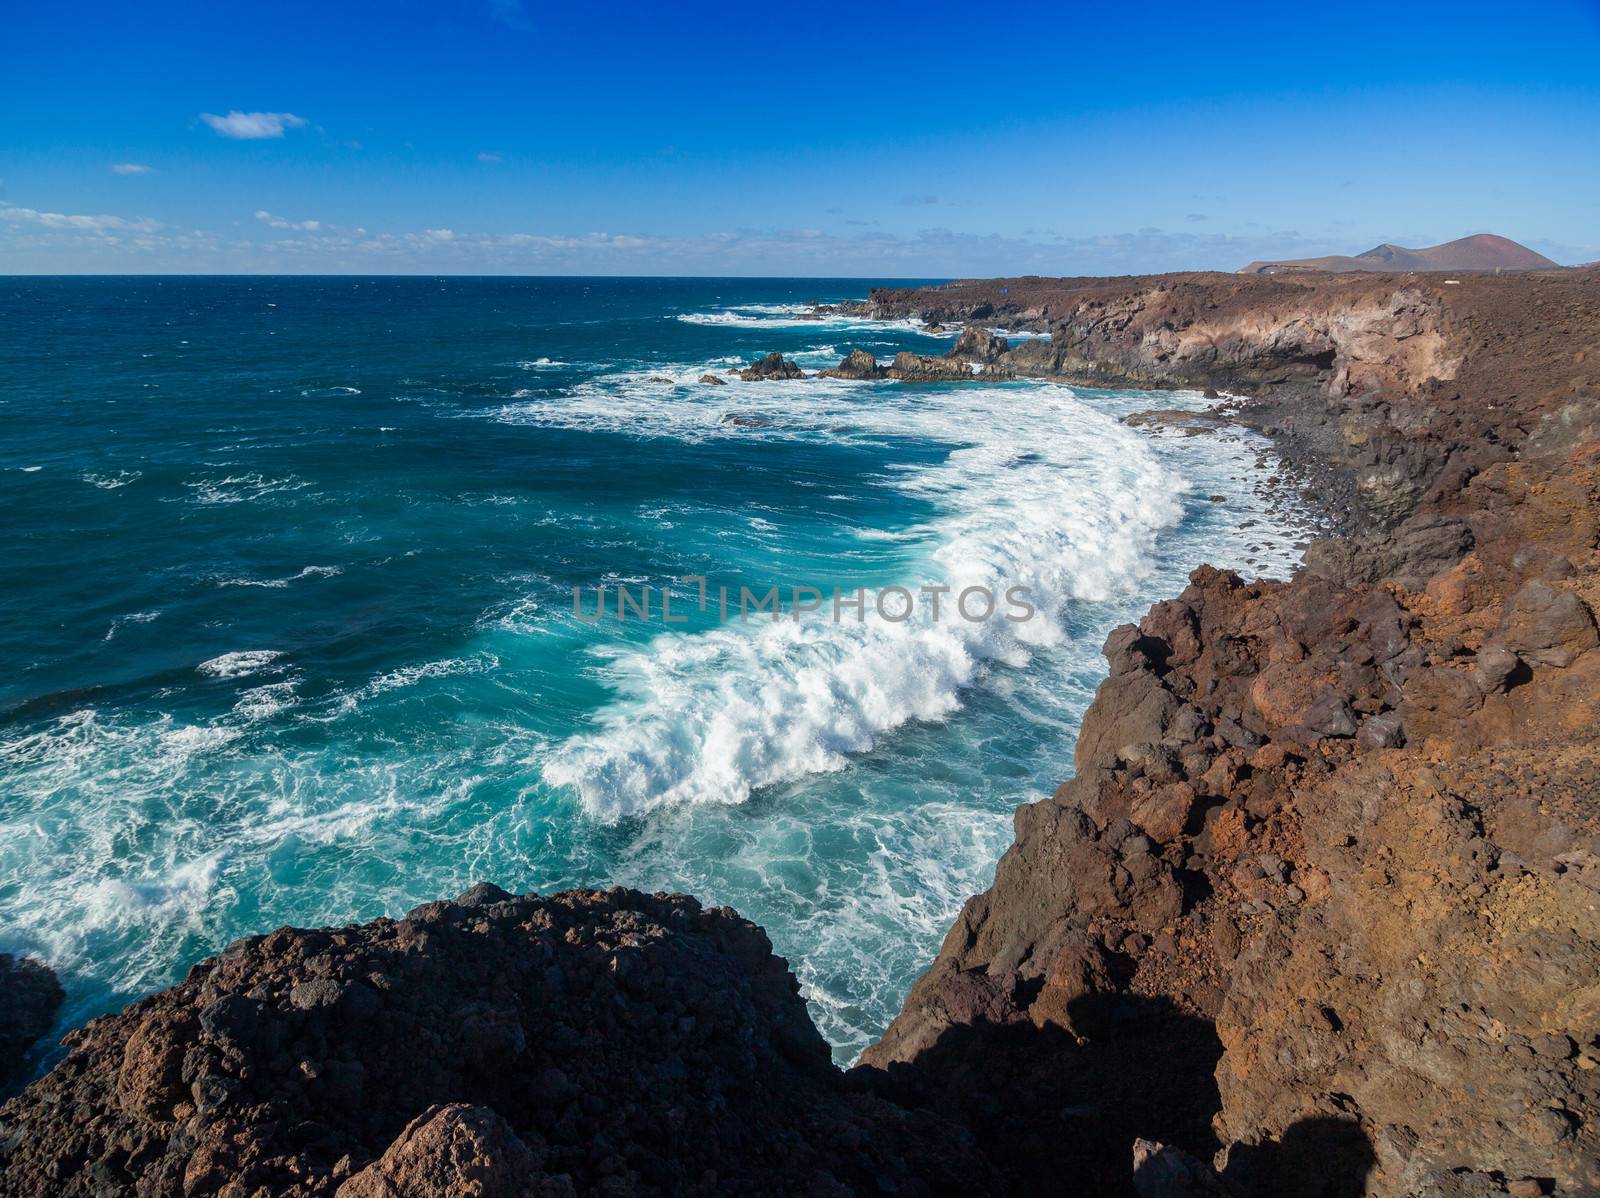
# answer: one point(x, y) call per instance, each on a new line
point(287, 631)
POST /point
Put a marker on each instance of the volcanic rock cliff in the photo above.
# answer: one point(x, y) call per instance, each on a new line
point(1349, 821)
point(1319, 913)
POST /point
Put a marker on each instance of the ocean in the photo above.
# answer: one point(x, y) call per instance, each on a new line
point(288, 634)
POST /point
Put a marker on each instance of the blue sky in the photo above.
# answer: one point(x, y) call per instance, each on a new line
point(492, 136)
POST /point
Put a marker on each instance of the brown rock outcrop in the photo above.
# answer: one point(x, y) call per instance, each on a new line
point(588, 1042)
point(1344, 824)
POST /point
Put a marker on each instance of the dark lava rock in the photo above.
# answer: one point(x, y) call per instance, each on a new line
point(589, 1042)
point(918, 368)
point(979, 345)
point(773, 366)
point(1420, 548)
point(29, 999)
point(1330, 715)
point(713, 380)
point(1189, 423)
point(1547, 626)
point(1383, 731)
point(857, 364)
point(910, 367)
point(1495, 668)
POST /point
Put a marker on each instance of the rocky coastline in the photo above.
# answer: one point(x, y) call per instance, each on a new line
point(1318, 914)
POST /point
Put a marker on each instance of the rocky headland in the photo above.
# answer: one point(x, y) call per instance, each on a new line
point(1318, 914)
point(1338, 833)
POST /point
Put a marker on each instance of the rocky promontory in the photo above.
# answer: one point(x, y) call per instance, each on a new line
point(1318, 914)
point(1343, 830)
point(591, 1042)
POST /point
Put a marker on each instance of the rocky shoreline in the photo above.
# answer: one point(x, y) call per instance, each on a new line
point(1346, 823)
point(1319, 913)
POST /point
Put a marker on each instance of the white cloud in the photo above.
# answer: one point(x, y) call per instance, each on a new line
point(280, 222)
point(252, 126)
point(131, 168)
point(80, 224)
point(486, 156)
point(44, 242)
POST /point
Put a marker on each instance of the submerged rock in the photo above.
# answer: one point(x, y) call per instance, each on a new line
point(1188, 423)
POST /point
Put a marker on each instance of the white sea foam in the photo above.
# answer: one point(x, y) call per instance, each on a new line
point(135, 617)
point(410, 675)
point(480, 663)
point(539, 364)
point(1038, 490)
point(237, 665)
point(281, 583)
point(263, 702)
point(110, 482)
point(242, 488)
point(100, 849)
point(792, 316)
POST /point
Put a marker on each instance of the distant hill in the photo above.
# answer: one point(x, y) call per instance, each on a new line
point(1481, 251)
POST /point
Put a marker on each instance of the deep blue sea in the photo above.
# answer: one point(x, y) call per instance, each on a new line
point(287, 632)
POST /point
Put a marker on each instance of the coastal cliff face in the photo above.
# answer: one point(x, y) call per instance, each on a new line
point(1319, 911)
point(1343, 829)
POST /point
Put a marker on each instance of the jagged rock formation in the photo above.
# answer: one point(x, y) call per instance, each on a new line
point(30, 996)
point(586, 1043)
point(858, 364)
point(978, 344)
point(974, 358)
point(773, 366)
point(1344, 825)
